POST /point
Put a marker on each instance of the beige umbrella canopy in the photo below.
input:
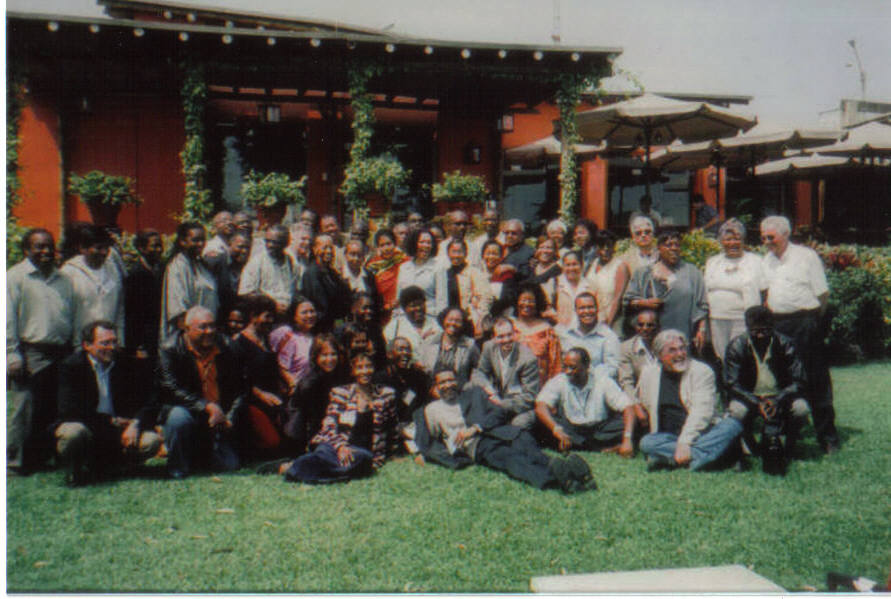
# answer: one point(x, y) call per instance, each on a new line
point(548, 147)
point(869, 140)
point(650, 119)
point(740, 151)
point(804, 165)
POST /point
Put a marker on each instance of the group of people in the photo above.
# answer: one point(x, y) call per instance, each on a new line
point(304, 349)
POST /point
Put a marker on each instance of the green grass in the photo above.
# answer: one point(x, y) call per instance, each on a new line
point(414, 528)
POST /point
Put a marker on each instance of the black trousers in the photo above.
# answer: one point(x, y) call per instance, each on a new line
point(806, 332)
point(520, 458)
point(605, 433)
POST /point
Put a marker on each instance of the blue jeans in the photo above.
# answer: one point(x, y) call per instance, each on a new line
point(185, 436)
point(322, 466)
point(710, 445)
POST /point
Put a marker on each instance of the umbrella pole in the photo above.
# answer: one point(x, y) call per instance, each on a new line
point(647, 134)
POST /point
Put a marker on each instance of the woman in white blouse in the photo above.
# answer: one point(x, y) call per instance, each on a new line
point(734, 281)
point(423, 270)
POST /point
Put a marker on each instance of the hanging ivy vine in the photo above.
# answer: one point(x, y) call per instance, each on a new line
point(15, 101)
point(197, 205)
point(570, 87)
point(365, 173)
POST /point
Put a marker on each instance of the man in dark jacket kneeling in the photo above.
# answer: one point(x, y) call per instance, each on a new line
point(456, 430)
point(764, 376)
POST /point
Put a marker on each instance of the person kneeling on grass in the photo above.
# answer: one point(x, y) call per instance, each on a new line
point(458, 429)
point(581, 409)
point(680, 397)
point(358, 432)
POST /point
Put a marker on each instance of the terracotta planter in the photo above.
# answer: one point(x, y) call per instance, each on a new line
point(271, 215)
point(105, 215)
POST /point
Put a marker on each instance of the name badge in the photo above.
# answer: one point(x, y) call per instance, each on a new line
point(348, 418)
point(408, 397)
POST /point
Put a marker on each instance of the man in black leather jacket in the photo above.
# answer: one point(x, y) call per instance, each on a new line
point(763, 374)
point(202, 390)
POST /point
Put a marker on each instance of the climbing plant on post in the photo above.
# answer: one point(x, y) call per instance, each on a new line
point(569, 93)
point(15, 100)
point(196, 202)
point(363, 128)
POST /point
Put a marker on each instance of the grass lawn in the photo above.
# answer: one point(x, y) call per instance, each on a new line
point(425, 528)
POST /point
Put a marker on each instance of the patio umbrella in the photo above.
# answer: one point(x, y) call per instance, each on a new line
point(650, 119)
point(741, 151)
point(805, 165)
point(872, 140)
point(548, 147)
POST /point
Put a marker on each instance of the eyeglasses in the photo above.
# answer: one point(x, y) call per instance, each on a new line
point(642, 232)
point(768, 237)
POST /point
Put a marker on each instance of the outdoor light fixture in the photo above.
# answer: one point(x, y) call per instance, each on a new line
point(183, 36)
point(190, 17)
point(537, 55)
point(270, 41)
point(390, 48)
point(315, 42)
point(465, 53)
point(139, 32)
point(428, 50)
point(270, 113)
point(502, 54)
point(473, 153)
point(229, 24)
point(52, 26)
point(575, 57)
point(227, 39)
point(94, 28)
point(505, 124)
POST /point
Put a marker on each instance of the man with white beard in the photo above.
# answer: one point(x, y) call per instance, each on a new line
point(681, 399)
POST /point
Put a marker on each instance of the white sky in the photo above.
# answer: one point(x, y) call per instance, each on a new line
point(791, 55)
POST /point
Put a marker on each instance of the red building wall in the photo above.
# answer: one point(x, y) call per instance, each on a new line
point(139, 137)
point(40, 165)
point(454, 134)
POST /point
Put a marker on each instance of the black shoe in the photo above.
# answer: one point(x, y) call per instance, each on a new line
point(560, 468)
point(657, 462)
point(581, 471)
point(742, 465)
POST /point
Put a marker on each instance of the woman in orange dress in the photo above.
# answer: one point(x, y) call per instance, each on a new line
point(536, 332)
point(384, 265)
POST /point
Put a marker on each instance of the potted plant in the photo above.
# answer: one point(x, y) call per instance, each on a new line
point(271, 193)
point(462, 191)
point(103, 194)
point(369, 183)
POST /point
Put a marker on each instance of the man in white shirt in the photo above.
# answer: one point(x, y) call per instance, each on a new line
point(596, 338)
point(39, 313)
point(583, 410)
point(217, 249)
point(797, 294)
point(491, 225)
point(97, 283)
point(272, 272)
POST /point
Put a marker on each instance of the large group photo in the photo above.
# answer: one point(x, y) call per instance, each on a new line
point(301, 307)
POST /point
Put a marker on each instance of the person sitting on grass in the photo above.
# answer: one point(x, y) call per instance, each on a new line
point(107, 408)
point(681, 400)
point(764, 376)
point(581, 409)
point(462, 428)
point(358, 433)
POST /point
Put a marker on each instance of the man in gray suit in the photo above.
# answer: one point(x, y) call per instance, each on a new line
point(637, 352)
point(508, 373)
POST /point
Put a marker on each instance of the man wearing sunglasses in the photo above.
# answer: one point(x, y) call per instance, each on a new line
point(798, 294)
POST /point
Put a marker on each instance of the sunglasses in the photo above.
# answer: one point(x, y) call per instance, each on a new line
point(643, 232)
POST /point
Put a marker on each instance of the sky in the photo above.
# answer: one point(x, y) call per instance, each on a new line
point(792, 56)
